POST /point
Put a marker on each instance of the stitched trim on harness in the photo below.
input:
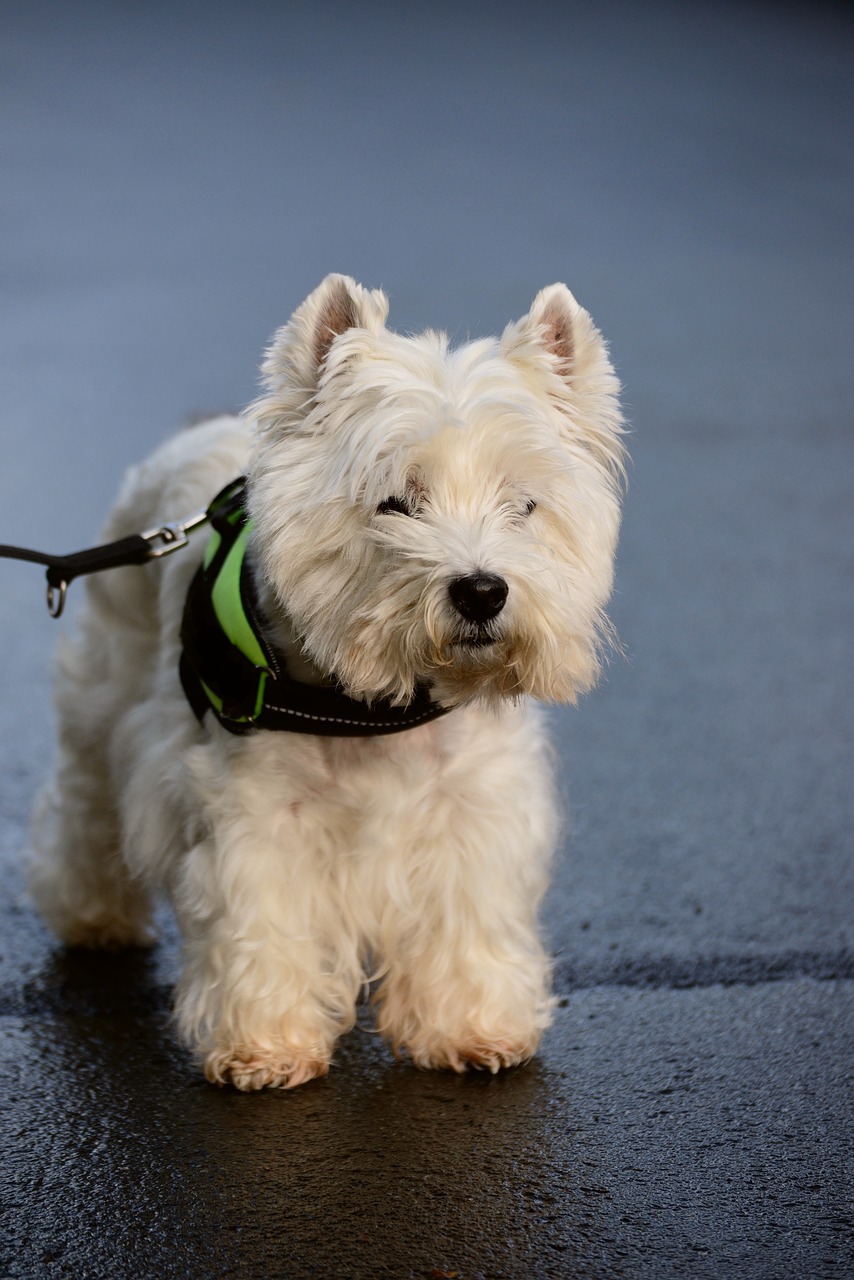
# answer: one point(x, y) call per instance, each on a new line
point(304, 715)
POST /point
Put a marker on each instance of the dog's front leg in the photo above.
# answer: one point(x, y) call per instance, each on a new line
point(467, 979)
point(269, 982)
point(467, 991)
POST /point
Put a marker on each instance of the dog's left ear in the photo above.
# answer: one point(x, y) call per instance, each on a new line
point(558, 345)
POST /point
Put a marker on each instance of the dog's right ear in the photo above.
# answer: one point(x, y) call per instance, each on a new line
point(301, 348)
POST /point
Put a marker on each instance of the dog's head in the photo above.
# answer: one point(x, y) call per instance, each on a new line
point(433, 515)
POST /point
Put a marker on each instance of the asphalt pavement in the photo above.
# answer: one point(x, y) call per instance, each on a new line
point(175, 179)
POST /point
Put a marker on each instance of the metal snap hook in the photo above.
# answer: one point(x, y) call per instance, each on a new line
point(56, 598)
point(173, 535)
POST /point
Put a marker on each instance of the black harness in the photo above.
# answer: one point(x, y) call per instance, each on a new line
point(229, 667)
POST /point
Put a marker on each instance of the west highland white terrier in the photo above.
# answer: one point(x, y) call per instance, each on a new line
point(353, 785)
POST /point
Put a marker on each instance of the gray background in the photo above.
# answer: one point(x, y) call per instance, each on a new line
point(175, 179)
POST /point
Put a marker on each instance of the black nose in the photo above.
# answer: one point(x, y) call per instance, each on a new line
point(478, 596)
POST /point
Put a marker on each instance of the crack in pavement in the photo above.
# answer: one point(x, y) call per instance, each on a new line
point(687, 972)
point(79, 985)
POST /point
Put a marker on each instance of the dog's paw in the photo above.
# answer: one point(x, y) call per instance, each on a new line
point(479, 1053)
point(250, 1067)
point(492, 1057)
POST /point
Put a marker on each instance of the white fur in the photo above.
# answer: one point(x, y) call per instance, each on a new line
point(302, 867)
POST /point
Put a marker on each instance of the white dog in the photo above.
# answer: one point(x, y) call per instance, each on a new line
point(363, 793)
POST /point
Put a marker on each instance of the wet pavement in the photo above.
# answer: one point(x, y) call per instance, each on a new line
point(172, 187)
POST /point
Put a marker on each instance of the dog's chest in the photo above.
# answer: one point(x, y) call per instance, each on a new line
point(358, 770)
point(348, 776)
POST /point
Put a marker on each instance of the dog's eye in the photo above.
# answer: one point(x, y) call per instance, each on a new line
point(530, 506)
point(394, 504)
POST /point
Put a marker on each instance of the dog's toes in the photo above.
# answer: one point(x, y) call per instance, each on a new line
point(492, 1057)
point(479, 1054)
point(249, 1067)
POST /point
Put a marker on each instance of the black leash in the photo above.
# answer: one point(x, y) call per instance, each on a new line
point(135, 549)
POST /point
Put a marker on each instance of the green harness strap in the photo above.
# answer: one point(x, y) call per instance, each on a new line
point(225, 664)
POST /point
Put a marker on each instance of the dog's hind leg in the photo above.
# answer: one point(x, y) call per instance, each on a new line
point(77, 877)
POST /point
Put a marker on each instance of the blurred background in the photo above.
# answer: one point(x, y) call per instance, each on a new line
point(178, 176)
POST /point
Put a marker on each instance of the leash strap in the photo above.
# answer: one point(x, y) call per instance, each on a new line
point(137, 548)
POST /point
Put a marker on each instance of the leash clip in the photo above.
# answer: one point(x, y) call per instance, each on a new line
point(136, 549)
point(172, 536)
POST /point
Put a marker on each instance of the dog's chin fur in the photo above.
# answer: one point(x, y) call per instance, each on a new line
point(382, 470)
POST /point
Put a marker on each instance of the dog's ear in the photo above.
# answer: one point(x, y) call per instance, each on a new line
point(558, 346)
point(548, 327)
point(299, 350)
point(553, 312)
